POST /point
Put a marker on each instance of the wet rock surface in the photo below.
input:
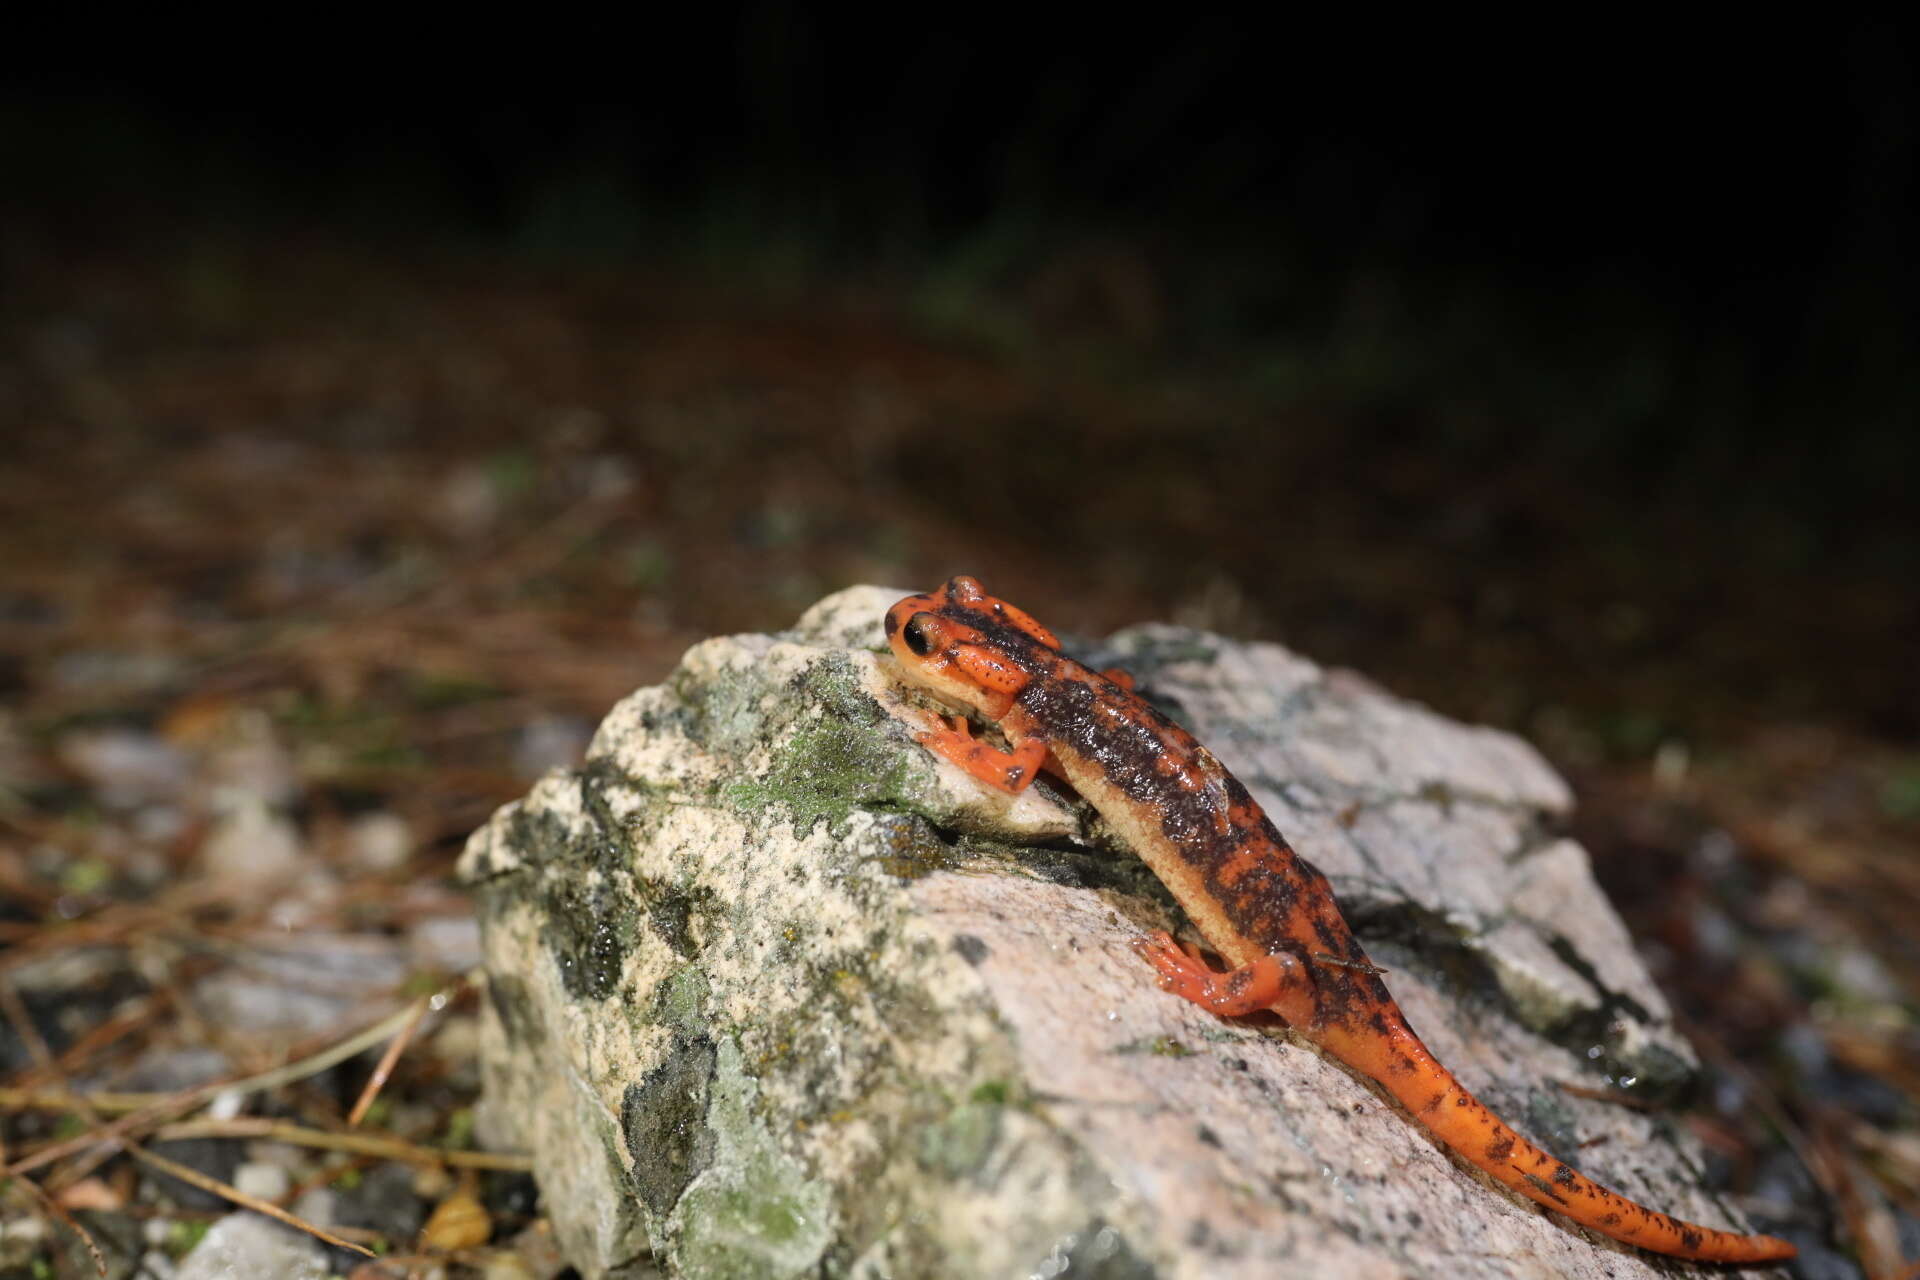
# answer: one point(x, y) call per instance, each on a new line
point(773, 992)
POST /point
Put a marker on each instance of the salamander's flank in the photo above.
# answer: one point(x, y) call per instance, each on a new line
point(1258, 903)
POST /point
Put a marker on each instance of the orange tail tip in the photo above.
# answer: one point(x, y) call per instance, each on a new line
point(1402, 1063)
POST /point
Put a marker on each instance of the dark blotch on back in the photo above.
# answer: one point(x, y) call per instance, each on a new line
point(1127, 739)
point(1005, 638)
point(1128, 743)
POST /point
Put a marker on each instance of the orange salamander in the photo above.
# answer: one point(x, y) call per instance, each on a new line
point(1260, 905)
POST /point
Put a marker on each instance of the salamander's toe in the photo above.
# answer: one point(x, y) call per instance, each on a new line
point(1179, 971)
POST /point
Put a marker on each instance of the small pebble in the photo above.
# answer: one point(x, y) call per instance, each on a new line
point(250, 844)
point(246, 1244)
point(261, 1180)
point(126, 768)
point(317, 1205)
point(446, 944)
point(379, 842)
point(550, 742)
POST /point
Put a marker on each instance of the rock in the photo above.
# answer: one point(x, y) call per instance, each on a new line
point(251, 846)
point(214, 1157)
point(444, 944)
point(773, 992)
point(310, 984)
point(168, 1070)
point(549, 742)
point(23, 1238)
point(243, 1246)
point(262, 1180)
point(379, 843)
point(317, 1205)
point(382, 1200)
point(125, 768)
point(116, 1235)
point(244, 757)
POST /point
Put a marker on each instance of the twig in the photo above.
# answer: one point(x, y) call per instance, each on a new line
point(387, 1061)
point(59, 1213)
point(110, 924)
point(98, 1038)
point(1614, 1096)
point(173, 1105)
point(66, 1100)
point(367, 1144)
point(241, 1198)
point(16, 1012)
point(1868, 1221)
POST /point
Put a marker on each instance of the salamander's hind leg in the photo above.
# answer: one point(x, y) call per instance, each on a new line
point(1008, 771)
point(1277, 982)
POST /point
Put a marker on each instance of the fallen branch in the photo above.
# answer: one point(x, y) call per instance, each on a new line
point(171, 1106)
point(387, 1061)
point(365, 1144)
point(241, 1198)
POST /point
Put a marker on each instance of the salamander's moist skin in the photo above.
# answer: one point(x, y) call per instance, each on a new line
point(1257, 903)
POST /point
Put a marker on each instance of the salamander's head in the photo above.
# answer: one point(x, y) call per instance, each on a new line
point(967, 647)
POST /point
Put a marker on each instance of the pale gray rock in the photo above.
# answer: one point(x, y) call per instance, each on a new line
point(251, 846)
point(262, 1180)
point(379, 843)
point(126, 768)
point(309, 984)
point(774, 992)
point(246, 1246)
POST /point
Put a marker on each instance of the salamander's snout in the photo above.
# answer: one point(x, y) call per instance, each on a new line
point(915, 632)
point(937, 652)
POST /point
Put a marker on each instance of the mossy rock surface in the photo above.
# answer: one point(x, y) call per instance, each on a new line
point(774, 993)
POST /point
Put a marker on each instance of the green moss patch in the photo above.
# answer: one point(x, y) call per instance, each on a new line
point(754, 1213)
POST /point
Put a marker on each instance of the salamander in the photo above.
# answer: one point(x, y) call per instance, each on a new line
point(1266, 910)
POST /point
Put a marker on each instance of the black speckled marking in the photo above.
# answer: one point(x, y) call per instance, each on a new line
point(1545, 1188)
point(1279, 901)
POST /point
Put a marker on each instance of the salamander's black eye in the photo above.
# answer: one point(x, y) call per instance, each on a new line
point(918, 634)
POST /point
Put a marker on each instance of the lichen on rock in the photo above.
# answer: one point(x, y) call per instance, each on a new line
point(775, 992)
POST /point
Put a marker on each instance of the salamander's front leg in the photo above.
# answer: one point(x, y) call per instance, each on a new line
point(1009, 771)
point(1277, 982)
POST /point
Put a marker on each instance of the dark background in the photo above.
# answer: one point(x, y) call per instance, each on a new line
point(418, 384)
point(1612, 326)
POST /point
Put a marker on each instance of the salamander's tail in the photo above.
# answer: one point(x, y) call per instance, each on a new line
point(1400, 1062)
